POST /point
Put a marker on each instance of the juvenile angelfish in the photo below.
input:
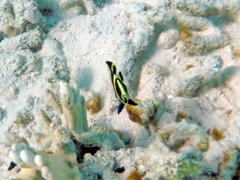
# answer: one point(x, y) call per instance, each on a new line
point(119, 87)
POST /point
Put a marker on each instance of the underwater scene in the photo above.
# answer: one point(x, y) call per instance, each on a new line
point(119, 89)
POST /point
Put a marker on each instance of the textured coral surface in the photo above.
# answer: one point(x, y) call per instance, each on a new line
point(58, 112)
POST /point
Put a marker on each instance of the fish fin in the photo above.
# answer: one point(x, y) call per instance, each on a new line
point(120, 75)
point(12, 165)
point(109, 63)
point(131, 102)
point(120, 107)
point(112, 67)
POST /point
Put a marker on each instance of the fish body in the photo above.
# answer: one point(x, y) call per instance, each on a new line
point(119, 87)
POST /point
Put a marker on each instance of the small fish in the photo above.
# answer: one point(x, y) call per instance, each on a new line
point(119, 87)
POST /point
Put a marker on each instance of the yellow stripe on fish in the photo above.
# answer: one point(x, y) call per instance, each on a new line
point(119, 87)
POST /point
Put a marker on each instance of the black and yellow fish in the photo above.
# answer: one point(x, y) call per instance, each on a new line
point(119, 87)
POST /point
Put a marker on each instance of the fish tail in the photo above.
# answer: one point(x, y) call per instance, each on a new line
point(120, 107)
point(131, 102)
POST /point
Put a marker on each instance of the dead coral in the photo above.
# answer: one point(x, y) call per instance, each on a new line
point(59, 163)
point(229, 164)
point(19, 16)
point(72, 112)
point(31, 40)
point(153, 162)
point(194, 41)
point(145, 112)
point(206, 8)
point(10, 31)
point(168, 39)
point(197, 32)
point(54, 61)
point(62, 167)
point(198, 77)
point(91, 6)
point(183, 134)
point(58, 156)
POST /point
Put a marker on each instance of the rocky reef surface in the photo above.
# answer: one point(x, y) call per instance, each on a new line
point(58, 112)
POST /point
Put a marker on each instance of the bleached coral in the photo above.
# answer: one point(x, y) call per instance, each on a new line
point(166, 164)
point(191, 34)
point(54, 61)
point(206, 8)
point(197, 76)
point(63, 167)
point(168, 38)
point(153, 81)
point(65, 4)
point(57, 139)
point(71, 108)
point(16, 64)
point(2, 113)
point(90, 5)
point(196, 31)
point(19, 16)
point(57, 143)
point(234, 85)
point(72, 112)
point(31, 40)
point(196, 42)
point(229, 164)
point(190, 24)
point(179, 136)
point(19, 61)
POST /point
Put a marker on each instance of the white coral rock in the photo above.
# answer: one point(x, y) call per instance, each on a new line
point(17, 15)
point(198, 76)
point(168, 38)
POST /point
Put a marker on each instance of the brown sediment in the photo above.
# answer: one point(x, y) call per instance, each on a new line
point(185, 33)
point(134, 114)
point(93, 104)
point(229, 112)
point(182, 115)
point(11, 31)
point(217, 134)
point(134, 175)
point(189, 66)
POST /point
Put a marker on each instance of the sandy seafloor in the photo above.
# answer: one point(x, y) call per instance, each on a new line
point(180, 62)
